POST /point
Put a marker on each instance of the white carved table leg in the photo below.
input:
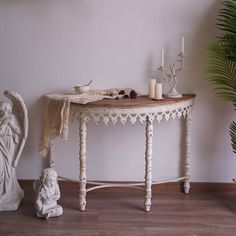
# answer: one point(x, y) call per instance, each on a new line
point(148, 166)
point(187, 154)
point(82, 158)
point(51, 155)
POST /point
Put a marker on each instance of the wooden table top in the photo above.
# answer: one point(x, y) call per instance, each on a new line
point(141, 101)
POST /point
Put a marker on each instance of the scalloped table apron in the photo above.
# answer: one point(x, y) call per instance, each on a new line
point(141, 109)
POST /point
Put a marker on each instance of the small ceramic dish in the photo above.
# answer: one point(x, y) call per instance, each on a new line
point(79, 89)
point(82, 88)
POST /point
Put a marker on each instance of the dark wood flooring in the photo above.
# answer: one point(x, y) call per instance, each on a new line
point(115, 212)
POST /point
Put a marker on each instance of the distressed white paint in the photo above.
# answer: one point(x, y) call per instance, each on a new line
point(113, 115)
point(83, 114)
point(148, 166)
point(82, 157)
point(51, 46)
point(187, 154)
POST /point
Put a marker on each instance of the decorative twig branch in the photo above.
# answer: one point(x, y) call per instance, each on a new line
point(170, 77)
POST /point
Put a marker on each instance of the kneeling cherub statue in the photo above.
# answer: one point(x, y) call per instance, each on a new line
point(47, 193)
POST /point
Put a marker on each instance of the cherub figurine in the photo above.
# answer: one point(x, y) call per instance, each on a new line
point(47, 193)
point(13, 134)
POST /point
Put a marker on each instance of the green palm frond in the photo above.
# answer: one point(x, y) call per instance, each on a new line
point(233, 136)
point(228, 46)
point(221, 72)
point(227, 24)
point(227, 17)
point(220, 65)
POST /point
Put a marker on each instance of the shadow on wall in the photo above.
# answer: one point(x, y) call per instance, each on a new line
point(211, 116)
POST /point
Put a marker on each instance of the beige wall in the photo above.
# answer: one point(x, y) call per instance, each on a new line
point(50, 46)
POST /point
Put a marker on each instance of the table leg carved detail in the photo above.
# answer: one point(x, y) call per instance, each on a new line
point(148, 166)
point(51, 155)
point(187, 155)
point(82, 158)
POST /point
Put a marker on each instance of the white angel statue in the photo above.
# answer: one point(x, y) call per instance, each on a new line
point(13, 135)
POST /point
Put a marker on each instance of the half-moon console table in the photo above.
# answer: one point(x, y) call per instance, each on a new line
point(143, 110)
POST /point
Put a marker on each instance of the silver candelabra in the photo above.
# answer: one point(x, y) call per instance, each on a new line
point(170, 76)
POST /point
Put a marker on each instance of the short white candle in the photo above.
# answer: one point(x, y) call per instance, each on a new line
point(183, 44)
point(158, 91)
point(162, 57)
point(152, 83)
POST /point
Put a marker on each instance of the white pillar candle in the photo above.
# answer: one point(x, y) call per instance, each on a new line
point(158, 91)
point(182, 44)
point(162, 57)
point(152, 83)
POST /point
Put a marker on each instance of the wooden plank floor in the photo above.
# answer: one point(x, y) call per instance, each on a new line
point(114, 212)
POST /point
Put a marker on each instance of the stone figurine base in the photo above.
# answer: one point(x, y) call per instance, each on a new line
point(12, 203)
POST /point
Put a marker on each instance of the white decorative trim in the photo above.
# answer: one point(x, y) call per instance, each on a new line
point(113, 115)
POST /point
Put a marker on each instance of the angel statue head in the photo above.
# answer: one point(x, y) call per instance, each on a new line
point(5, 108)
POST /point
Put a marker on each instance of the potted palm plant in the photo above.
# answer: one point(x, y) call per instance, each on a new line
point(221, 60)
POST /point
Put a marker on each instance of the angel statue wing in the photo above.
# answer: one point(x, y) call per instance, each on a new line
point(20, 111)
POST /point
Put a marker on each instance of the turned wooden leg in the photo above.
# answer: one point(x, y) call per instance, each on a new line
point(187, 155)
point(82, 158)
point(148, 166)
point(51, 155)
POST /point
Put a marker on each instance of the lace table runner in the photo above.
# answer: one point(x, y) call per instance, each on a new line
point(57, 109)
